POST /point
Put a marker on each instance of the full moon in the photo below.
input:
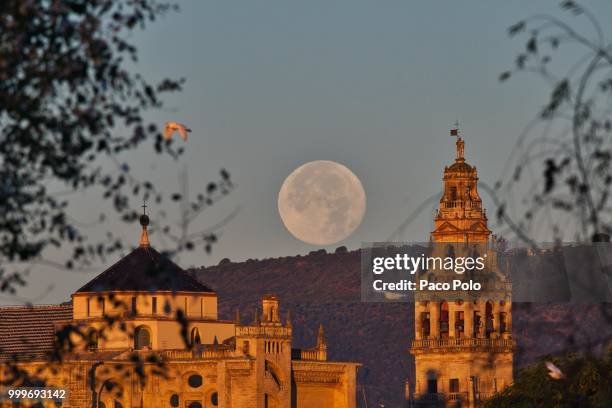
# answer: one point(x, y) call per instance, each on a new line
point(321, 202)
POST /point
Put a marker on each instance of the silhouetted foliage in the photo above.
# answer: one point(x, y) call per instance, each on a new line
point(573, 153)
point(586, 383)
point(71, 104)
point(563, 176)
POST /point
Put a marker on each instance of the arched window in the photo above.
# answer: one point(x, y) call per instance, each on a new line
point(174, 401)
point(503, 322)
point(195, 337)
point(477, 324)
point(142, 338)
point(214, 399)
point(425, 327)
point(118, 404)
point(459, 323)
point(444, 320)
point(488, 319)
point(195, 404)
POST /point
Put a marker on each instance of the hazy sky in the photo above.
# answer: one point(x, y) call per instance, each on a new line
point(374, 85)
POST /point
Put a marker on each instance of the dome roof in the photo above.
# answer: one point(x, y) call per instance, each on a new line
point(144, 269)
point(460, 166)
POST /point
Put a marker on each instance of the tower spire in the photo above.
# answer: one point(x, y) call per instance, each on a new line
point(321, 348)
point(321, 342)
point(144, 222)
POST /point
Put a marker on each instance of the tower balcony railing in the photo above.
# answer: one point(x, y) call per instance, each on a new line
point(430, 397)
point(467, 204)
point(263, 331)
point(462, 342)
point(457, 396)
point(485, 395)
point(310, 354)
point(202, 353)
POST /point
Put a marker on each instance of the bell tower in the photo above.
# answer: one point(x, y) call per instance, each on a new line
point(460, 217)
point(463, 347)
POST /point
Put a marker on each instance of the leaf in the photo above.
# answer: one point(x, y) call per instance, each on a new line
point(516, 28)
point(560, 94)
point(532, 45)
point(554, 42)
point(501, 211)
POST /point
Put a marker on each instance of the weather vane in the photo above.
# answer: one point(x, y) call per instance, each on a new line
point(144, 207)
point(455, 131)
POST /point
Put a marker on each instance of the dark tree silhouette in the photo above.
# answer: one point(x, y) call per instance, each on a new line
point(561, 171)
point(565, 172)
point(69, 106)
point(585, 382)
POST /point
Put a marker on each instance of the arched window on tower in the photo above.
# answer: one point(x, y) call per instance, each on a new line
point(444, 320)
point(142, 338)
point(425, 325)
point(477, 324)
point(488, 319)
point(459, 323)
point(195, 337)
point(503, 322)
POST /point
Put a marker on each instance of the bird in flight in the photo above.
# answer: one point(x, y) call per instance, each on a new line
point(172, 127)
point(554, 372)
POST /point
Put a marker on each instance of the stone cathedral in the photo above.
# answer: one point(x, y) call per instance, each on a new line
point(463, 347)
point(145, 333)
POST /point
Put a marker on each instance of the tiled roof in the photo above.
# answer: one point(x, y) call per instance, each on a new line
point(144, 269)
point(30, 329)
